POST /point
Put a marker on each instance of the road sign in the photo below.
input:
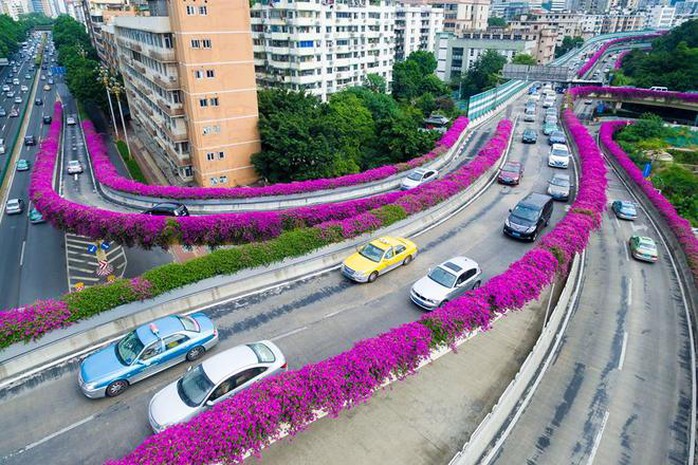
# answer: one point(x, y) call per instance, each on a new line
point(58, 70)
point(104, 268)
point(105, 245)
point(92, 248)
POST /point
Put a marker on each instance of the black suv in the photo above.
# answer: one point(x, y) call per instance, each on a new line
point(38, 102)
point(168, 209)
point(47, 119)
point(529, 217)
point(30, 140)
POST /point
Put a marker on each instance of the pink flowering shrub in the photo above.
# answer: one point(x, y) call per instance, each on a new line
point(32, 321)
point(679, 225)
point(148, 231)
point(106, 173)
point(252, 419)
point(600, 52)
point(632, 92)
point(619, 60)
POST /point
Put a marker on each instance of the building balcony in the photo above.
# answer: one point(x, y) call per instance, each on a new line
point(129, 44)
point(163, 55)
point(171, 109)
point(138, 67)
point(172, 83)
point(176, 134)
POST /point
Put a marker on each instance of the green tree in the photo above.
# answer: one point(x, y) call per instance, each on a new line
point(523, 59)
point(375, 82)
point(672, 62)
point(483, 75)
point(415, 77)
point(568, 43)
point(496, 22)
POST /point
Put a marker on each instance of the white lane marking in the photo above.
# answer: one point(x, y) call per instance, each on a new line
point(49, 437)
point(331, 314)
point(617, 222)
point(627, 253)
point(289, 333)
point(597, 441)
point(21, 255)
point(630, 292)
point(622, 350)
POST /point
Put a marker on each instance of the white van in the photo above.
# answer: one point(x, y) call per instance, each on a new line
point(659, 89)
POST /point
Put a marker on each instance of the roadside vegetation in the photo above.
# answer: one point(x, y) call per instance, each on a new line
point(13, 33)
point(674, 156)
point(358, 129)
point(133, 169)
point(672, 62)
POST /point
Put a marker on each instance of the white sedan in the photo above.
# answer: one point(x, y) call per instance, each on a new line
point(418, 177)
point(74, 167)
point(216, 379)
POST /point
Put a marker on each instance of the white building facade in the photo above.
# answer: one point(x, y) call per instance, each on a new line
point(322, 46)
point(416, 28)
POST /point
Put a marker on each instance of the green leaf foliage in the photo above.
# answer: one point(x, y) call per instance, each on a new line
point(568, 43)
point(672, 62)
point(483, 75)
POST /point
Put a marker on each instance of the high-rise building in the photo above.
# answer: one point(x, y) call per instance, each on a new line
point(564, 24)
point(15, 8)
point(661, 17)
point(190, 83)
point(416, 27)
point(324, 46)
point(463, 15)
point(685, 11)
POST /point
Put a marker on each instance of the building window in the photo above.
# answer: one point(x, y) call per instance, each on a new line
point(223, 179)
point(213, 101)
point(306, 44)
point(203, 10)
point(210, 73)
point(221, 155)
point(198, 74)
point(203, 102)
point(206, 43)
point(211, 130)
point(213, 181)
point(191, 10)
point(195, 43)
point(210, 156)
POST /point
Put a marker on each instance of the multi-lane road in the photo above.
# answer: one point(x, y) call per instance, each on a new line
point(617, 392)
point(33, 258)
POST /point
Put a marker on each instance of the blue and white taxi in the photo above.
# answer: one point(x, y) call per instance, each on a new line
point(144, 352)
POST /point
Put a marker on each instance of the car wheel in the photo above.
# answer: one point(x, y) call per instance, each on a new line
point(372, 277)
point(534, 237)
point(195, 353)
point(407, 260)
point(116, 388)
point(476, 285)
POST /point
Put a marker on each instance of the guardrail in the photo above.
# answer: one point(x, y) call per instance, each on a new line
point(492, 99)
point(495, 427)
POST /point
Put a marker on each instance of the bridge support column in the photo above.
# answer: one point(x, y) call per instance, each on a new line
point(616, 107)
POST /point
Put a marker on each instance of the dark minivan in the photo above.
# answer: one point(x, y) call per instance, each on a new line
point(529, 217)
point(168, 209)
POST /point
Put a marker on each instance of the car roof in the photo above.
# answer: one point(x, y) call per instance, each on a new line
point(560, 147)
point(166, 326)
point(224, 364)
point(626, 203)
point(13, 201)
point(557, 133)
point(535, 199)
point(514, 164)
point(644, 240)
point(562, 176)
point(388, 241)
point(456, 264)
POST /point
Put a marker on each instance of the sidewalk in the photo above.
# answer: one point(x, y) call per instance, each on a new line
point(425, 419)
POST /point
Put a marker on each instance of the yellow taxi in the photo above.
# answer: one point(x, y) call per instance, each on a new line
point(378, 257)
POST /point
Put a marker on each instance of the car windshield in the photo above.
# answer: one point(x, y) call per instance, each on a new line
point(627, 208)
point(372, 252)
point(647, 245)
point(525, 213)
point(128, 348)
point(443, 277)
point(560, 152)
point(73, 163)
point(558, 135)
point(264, 354)
point(560, 181)
point(415, 176)
point(510, 168)
point(194, 386)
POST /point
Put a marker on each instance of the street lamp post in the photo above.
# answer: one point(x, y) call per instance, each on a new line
point(104, 78)
point(118, 89)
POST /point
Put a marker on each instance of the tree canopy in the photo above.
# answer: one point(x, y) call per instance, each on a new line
point(568, 43)
point(12, 32)
point(672, 62)
point(358, 129)
point(482, 75)
point(496, 22)
point(415, 77)
point(76, 53)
